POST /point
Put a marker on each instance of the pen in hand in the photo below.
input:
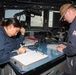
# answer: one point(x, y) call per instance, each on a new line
point(21, 45)
point(21, 50)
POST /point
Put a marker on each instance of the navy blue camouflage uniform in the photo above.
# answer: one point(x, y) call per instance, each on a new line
point(7, 46)
point(70, 50)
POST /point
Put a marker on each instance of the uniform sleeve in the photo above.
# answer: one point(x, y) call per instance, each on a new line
point(70, 50)
point(13, 53)
point(4, 55)
point(18, 40)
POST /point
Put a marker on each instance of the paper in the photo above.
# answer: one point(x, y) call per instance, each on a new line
point(52, 46)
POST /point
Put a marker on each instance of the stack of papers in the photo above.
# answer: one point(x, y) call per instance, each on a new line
point(29, 42)
point(24, 61)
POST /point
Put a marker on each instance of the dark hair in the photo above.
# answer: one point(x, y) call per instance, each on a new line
point(13, 21)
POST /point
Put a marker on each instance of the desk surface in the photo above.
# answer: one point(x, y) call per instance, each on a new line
point(53, 57)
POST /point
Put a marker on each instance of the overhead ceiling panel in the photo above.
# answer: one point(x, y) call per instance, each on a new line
point(35, 3)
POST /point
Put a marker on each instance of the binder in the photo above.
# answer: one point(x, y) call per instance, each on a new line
point(28, 59)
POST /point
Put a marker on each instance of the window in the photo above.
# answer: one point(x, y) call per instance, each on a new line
point(54, 17)
point(37, 21)
point(11, 13)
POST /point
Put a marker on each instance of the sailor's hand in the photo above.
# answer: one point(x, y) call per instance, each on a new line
point(22, 30)
point(61, 47)
point(21, 50)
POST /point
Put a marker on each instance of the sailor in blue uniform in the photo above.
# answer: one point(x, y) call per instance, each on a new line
point(10, 41)
point(68, 13)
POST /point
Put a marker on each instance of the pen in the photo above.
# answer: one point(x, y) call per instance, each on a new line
point(21, 45)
